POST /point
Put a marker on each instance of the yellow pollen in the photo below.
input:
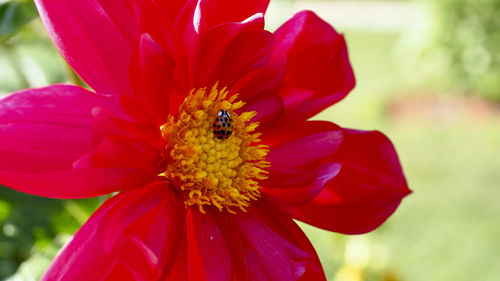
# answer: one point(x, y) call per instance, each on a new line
point(211, 171)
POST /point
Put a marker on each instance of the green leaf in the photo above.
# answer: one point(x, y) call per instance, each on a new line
point(14, 15)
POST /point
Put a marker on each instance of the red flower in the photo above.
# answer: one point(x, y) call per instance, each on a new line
point(195, 205)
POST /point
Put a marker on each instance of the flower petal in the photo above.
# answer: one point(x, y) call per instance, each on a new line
point(96, 37)
point(151, 76)
point(119, 163)
point(125, 239)
point(263, 244)
point(224, 49)
point(248, 51)
point(152, 21)
point(272, 245)
point(201, 15)
point(43, 131)
point(318, 70)
point(126, 152)
point(298, 186)
point(267, 106)
point(301, 144)
point(297, 155)
point(171, 8)
point(367, 190)
point(209, 257)
point(214, 12)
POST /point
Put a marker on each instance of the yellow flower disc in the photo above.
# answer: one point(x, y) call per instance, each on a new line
point(212, 171)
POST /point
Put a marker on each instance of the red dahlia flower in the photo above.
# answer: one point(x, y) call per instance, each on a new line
point(200, 118)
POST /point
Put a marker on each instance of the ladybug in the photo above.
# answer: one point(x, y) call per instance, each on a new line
point(223, 125)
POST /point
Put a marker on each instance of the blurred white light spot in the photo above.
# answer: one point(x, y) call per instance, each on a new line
point(32, 72)
point(357, 251)
point(9, 230)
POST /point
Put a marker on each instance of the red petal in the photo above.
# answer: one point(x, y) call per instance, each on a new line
point(116, 122)
point(208, 252)
point(133, 236)
point(156, 24)
point(201, 15)
point(261, 82)
point(367, 190)
point(268, 108)
point(302, 144)
point(95, 37)
point(43, 131)
point(267, 245)
point(298, 186)
point(297, 155)
point(318, 70)
point(219, 46)
point(261, 245)
point(214, 12)
point(248, 51)
point(151, 76)
point(126, 153)
point(119, 162)
point(120, 272)
point(171, 8)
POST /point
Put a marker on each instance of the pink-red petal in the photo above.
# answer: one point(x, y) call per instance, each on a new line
point(198, 16)
point(318, 71)
point(96, 37)
point(130, 237)
point(153, 22)
point(367, 190)
point(302, 143)
point(126, 153)
point(261, 245)
point(223, 47)
point(151, 78)
point(42, 132)
point(213, 12)
point(298, 156)
point(119, 163)
point(247, 52)
point(171, 8)
point(275, 247)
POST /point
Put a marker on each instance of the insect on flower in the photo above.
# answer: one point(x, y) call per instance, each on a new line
point(199, 118)
point(223, 125)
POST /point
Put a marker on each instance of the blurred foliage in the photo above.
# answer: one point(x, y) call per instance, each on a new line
point(15, 14)
point(467, 42)
point(27, 56)
point(34, 267)
point(28, 225)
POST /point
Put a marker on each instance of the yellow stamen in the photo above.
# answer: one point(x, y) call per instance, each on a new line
point(211, 171)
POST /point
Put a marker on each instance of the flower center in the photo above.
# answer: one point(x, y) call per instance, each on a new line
point(213, 155)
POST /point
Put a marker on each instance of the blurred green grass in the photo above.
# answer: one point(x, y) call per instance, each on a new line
point(447, 229)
